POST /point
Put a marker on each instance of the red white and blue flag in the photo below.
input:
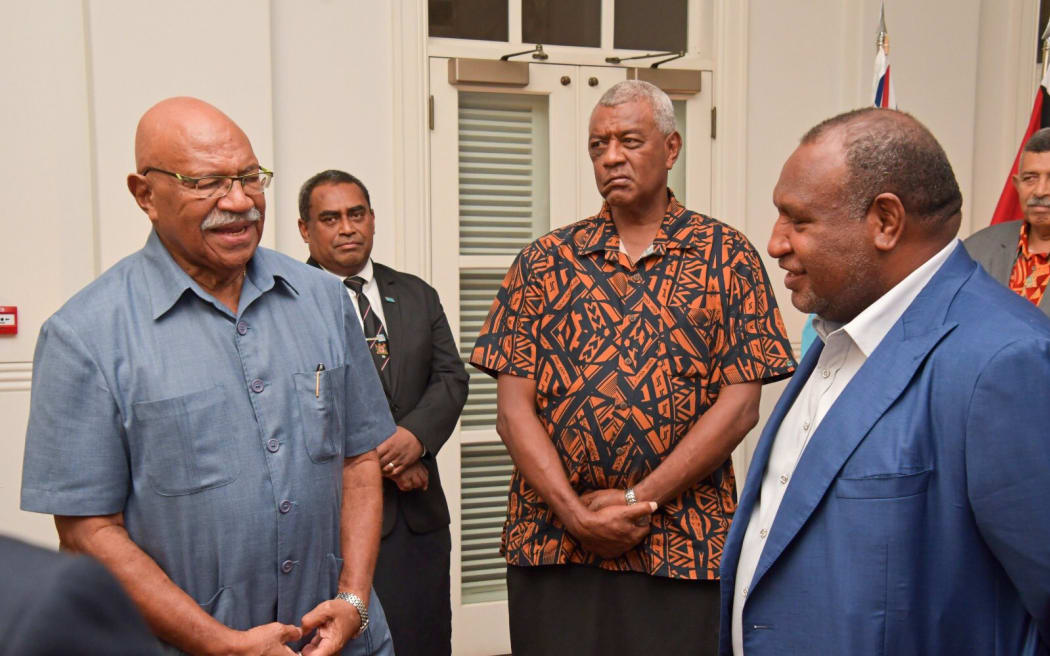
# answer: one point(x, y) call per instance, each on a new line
point(882, 85)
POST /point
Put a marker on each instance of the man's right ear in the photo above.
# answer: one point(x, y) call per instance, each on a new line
point(142, 191)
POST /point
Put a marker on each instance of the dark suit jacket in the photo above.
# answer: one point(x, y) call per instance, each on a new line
point(54, 604)
point(915, 522)
point(995, 247)
point(427, 389)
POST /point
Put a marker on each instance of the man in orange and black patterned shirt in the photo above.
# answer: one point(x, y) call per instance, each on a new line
point(1017, 253)
point(630, 349)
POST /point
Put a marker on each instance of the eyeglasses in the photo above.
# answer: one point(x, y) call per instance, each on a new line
point(217, 186)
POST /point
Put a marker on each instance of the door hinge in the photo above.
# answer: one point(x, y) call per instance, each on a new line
point(430, 113)
point(714, 122)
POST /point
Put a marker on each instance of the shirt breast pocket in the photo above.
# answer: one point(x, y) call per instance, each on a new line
point(322, 402)
point(691, 334)
point(188, 442)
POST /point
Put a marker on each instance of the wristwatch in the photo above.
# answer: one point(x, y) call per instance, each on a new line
point(628, 496)
point(362, 610)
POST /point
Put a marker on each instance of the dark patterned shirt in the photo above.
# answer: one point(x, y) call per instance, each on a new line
point(626, 358)
point(1031, 270)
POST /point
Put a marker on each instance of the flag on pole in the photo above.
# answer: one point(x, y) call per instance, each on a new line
point(882, 84)
point(884, 96)
point(1009, 206)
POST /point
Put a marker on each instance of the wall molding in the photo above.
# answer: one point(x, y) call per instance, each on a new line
point(411, 175)
point(16, 376)
point(729, 148)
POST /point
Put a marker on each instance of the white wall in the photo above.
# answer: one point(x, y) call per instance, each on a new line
point(332, 107)
point(309, 82)
point(47, 229)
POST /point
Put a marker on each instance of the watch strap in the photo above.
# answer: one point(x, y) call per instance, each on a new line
point(362, 609)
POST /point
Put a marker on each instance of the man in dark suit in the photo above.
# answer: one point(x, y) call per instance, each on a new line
point(1017, 253)
point(896, 501)
point(54, 604)
point(426, 386)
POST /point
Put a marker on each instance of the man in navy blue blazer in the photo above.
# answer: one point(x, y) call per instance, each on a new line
point(55, 604)
point(896, 502)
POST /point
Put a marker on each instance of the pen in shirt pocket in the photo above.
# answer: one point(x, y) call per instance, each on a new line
point(317, 380)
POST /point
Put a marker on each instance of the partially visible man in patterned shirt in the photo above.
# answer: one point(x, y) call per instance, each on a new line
point(630, 349)
point(1017, 253)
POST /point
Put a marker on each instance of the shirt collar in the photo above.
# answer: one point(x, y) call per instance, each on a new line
point(167, 281)
point(868, 328)
point(599, 232)
point(1022, 244)
point(366, 273)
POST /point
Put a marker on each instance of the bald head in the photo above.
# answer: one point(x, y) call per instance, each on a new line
point(211, 231)
point(176, 125)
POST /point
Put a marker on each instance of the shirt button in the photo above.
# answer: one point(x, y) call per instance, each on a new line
point(621, 405)
point(287, 566)
point(242, 328)
point(783, 479)
point(805, 425)
point(825, 373)
point(763, 533)
point(621, 449)
point(258, 385)
point(636, 277)
point(272, 445)
point(744, 591)
point(285, 506)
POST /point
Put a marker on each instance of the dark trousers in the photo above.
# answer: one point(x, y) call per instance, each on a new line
point(577, 610)
point(412, 581)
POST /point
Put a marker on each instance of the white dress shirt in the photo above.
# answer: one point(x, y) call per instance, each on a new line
point(371, 290)
point(846, 349)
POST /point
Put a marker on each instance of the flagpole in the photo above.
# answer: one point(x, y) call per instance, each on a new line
point(1046, 47)
point(882, 40)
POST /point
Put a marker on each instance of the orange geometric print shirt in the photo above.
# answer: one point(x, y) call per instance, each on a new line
point(626, 358)
point(1031, 270)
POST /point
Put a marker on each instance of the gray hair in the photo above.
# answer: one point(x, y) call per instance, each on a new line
point(1039, 142)
point(637, 90)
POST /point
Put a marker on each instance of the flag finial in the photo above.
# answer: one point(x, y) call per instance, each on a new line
point(882, 41)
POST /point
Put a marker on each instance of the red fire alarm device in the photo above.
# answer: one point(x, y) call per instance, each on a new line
point(8, 320)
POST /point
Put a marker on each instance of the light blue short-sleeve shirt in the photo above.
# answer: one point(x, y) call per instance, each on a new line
point(215, 434)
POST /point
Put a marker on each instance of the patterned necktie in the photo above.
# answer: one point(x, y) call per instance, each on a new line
point(375, 334)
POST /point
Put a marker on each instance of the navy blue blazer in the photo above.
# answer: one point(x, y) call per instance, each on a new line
point(55, 604)
point(917, 521)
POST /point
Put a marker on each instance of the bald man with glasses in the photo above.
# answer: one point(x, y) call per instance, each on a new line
point(205, 414)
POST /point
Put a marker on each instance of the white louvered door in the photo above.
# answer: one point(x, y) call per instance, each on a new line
point(502, 164)
point(507, 165)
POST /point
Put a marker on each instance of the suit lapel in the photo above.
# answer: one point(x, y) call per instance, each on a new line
point(760, 459)
point(1044, 304)
point(1003, 264)
point(880, 382)
point(756, 469)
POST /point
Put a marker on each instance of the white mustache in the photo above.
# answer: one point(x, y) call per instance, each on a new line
point(218, 218)
point(1039, 201)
